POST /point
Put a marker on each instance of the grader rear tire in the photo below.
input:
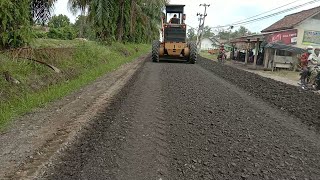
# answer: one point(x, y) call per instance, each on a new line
point(193, 53)
point(155, 51)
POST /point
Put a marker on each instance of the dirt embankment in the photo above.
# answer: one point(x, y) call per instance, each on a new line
point(34, 140)
point(32, 77)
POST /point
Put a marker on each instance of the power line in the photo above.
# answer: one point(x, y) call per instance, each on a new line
point(267, 11)
point(268, 16)
point(277, 13)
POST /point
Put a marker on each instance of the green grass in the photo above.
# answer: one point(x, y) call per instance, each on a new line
point(39, 85)
point(55, 43)
point(292, 75)
point(208, 56)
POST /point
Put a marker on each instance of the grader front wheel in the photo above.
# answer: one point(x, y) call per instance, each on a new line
point(193, 53)
point(155, 51)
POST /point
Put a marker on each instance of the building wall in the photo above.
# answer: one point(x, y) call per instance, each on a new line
point(206, 44)
point(311, 24)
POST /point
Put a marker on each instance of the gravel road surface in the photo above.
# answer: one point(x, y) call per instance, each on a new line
point(202, 121)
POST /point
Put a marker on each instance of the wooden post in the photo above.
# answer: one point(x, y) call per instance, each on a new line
point(246, 58)
point(266, 58)
point(256, 55)
point(274, 57)
point(232, 52)
point(247, 52)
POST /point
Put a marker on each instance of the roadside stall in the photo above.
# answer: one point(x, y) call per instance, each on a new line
point(248, 49)
point(281, 56)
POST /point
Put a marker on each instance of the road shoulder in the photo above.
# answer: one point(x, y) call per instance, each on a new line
point(33, 140)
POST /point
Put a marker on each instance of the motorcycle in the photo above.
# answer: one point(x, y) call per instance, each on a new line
point(222, 57)
point(316, 79)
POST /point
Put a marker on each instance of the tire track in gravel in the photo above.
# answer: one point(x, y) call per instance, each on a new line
point(127, 141)
point(143, 156)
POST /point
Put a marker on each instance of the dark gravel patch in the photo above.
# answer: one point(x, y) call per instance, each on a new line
point(217, 131)
point(303, 104)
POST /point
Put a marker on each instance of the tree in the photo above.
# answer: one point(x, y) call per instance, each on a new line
point(60, 28)
point(228, 34)
point(15, 29)
point(207, 32)
point(191, 35)
point(59, 21)
point(83, 27)
point(40, 10)
point(82, 5)
point(126, 20)
point(123, 20)
point(243, 31)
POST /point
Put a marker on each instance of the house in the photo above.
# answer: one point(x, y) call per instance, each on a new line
point(297, 30)
point(209, 43)
point(300, 29)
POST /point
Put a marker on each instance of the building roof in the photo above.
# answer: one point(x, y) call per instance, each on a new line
point(285, 48)
point(289, 21)
point(252, 38)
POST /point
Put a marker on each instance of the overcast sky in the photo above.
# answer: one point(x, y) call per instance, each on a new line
point(222, 12)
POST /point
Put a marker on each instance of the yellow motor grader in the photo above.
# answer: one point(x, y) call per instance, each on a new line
point(174, 36)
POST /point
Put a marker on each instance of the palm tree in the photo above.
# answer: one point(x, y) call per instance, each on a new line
point(41, 10)
point(82, 5)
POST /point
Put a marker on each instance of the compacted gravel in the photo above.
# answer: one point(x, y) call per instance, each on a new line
point(202, 121)
point(304, 105)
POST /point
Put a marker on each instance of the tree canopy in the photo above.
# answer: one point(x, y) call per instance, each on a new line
point(111, 20)
point(228, 34)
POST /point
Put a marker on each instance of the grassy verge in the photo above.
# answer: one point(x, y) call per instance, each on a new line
point(208, 56)
point(80, 64)
point(292, 75)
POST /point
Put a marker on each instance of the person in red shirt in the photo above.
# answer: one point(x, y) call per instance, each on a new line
point(304, 66)
point(221, 51)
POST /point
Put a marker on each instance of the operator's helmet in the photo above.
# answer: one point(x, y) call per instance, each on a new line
point(310, 49)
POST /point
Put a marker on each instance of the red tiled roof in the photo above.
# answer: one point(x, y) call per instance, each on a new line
point(291, 20)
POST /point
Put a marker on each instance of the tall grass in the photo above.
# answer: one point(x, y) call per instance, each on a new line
point(90, 61)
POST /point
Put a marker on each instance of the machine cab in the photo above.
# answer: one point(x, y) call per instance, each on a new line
point(173, 24)
point(174, 14)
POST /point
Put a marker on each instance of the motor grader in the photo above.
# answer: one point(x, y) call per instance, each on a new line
point(174, 43)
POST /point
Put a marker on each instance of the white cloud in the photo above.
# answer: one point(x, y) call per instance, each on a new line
point(221, 12)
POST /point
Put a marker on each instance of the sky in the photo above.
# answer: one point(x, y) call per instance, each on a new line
point(221, 12)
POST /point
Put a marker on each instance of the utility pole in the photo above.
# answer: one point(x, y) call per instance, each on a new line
point(202, 19)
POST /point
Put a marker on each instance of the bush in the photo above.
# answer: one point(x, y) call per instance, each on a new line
point(40, 34)
point(60, 28)
point(15, 26)
point(66, 33)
